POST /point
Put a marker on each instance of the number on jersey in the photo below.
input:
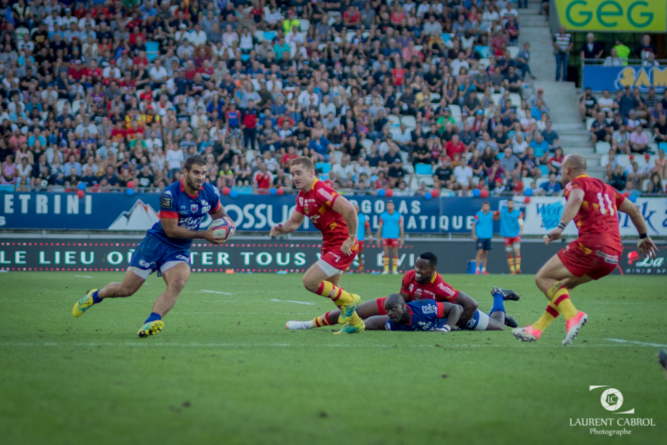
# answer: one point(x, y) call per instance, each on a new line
point(606, 205)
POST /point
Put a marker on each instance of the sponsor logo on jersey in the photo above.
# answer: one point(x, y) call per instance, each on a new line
point(194, 208)
point(448, 290)
point(430, 309)
point(325, 194)
point(166, 199)
point(205, 206)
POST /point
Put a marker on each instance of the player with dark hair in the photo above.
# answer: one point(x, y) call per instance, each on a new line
point(511, 227)
point(424, 282)
point(335, 217)
point(594, 207)
point(166, 247)
point(418, 315)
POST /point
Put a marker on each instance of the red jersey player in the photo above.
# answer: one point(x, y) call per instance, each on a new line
point(424, 282)
point(334, 216)
point(594, 206)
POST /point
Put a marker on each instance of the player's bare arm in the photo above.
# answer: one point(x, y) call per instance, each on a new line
point(292, 224)
point(468, 306)
point(574, 202)
point(645, 244)
point(474, 235)
point(402, 233)
point(376, 323)
point(345, 208)
point(453, 314)
point(380, 232)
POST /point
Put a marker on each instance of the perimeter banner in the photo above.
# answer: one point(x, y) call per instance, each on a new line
point(613, 15)
point(543, 214)
point(263, 255)
point(614, 78)
point(251, 213)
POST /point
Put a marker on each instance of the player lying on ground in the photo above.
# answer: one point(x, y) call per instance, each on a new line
point(166, 247)
point(594, 206)
point(425, 283)
point(418, 315)
point(334, 216)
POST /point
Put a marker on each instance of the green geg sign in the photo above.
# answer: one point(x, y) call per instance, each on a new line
point(613, 15)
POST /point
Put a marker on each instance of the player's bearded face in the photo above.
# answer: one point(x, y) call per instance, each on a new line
point(423, 271)
point(195, 176)
point(510, 205)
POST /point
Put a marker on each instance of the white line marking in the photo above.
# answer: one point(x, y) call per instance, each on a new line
point(83, 276)
point(214, 292)
point(292, 301)
point(640, 343)
point(327, 345)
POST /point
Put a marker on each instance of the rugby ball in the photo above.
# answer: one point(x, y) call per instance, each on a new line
point(223, 228)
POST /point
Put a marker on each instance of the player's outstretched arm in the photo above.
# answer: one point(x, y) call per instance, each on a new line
point(173, 230)
point(469, 306)
point(645, 244)
point(376, 323)
point(574, 201)
point(343, 206)
point(452, 313)
point(293, 223)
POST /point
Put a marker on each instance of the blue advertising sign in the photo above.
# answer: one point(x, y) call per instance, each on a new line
point(120, 212)
point(614, 78)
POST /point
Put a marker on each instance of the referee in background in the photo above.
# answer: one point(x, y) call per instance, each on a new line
point(391, 234)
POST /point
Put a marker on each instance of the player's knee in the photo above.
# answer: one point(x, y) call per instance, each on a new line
point(126, 290)
point(178, 284)
point(310, 284)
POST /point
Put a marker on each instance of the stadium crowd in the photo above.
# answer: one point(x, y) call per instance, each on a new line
point(381, 95)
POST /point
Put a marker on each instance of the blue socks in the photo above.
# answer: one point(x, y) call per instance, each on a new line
point(96, 298)
point(498, 303)
point(153, 317)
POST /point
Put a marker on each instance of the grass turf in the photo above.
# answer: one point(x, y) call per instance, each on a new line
point(225, 370)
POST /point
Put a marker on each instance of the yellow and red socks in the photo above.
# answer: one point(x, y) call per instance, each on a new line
point(385, 260)
point(323, 320)
point(96, 298)
point(337, 294)
point(549, 315)
point(394, 264)
point(154, 316)
point(561, 300)
point(510, 261)
point(517, 262)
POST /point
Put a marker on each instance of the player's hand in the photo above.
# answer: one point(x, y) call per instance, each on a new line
point(401, 242)
point(346, 248)
point(276, 230)
point(209, 236)
point(553, 235)
point(647, 247)
point(474, 238)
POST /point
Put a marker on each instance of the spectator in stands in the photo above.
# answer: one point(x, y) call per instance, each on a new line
point(591, 49)
point(660, 129)
point(622, 50)
point(551, 187)
point(510, 162)
point(636, 176)
point(530, 164)
point(588, 106)
point(599, 130)
point(654, 185)
point(627, 102)
point(540, 147)
point(638, 141)
point(522, 61)
point(619, 178)
point(463, 175)
point(620, 140)
point(562, 44)
point(551, 136)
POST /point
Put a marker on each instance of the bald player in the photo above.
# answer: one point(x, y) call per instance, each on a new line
point(594, 207)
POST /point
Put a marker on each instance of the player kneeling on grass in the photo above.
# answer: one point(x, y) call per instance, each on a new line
point(335, 217)
point(166, 247)
point(419, 315)
point(594, 207)
point(424, 282)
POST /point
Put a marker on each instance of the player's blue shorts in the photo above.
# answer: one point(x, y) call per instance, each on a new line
point(154, 254)
point(483, 243)
point(478, 322)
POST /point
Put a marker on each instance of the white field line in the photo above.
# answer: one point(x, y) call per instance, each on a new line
point(83, 276)
point(148, 343)
point(638, 343)
point(292, 301)
point(214, 292)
